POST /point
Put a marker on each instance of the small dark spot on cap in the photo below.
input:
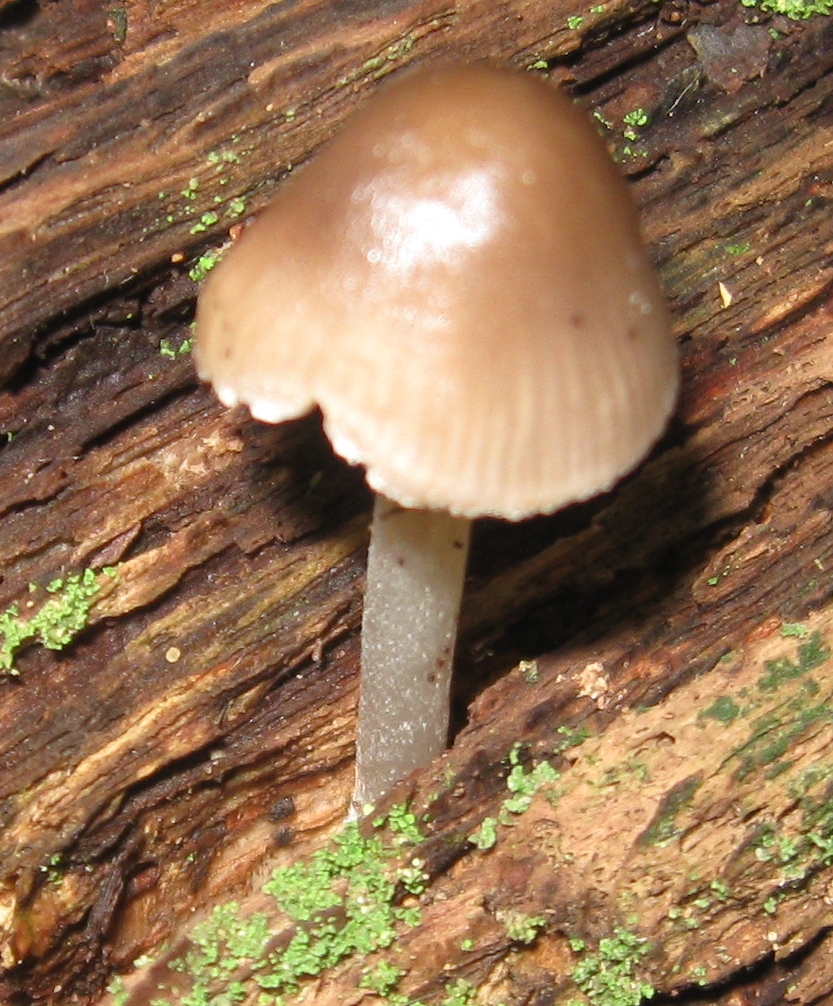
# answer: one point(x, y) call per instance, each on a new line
point(400, 561)
point(577, 319)
point(632, 333)
point(441, 662)
point(431, 678)
point(457, 544)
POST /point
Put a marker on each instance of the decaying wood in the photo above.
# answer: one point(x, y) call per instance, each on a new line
point(200, 730)
point(686, 822)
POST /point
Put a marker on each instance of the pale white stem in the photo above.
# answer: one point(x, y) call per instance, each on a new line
point(415, 571)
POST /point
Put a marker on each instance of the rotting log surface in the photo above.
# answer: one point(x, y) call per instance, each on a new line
point(202, 725)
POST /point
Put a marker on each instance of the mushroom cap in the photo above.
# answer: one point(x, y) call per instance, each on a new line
point(458, 281)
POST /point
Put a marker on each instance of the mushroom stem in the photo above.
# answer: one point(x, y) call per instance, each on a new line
point(415, 571)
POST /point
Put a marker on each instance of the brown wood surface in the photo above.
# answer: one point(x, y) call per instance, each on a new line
point(201, 728)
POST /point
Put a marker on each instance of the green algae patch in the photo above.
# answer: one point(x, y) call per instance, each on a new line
point(53, 616)
point(195, 203)
point(664, 827)
point(811, 655)
point(800, 710)
point(347, 900)
point(714, 805)
point(522, 786)
point(607, 975)
point(724, 709)
point(795, 10)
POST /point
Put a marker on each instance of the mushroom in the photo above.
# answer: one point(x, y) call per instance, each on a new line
point(458, 283)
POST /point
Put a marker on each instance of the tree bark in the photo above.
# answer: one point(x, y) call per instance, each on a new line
point(664, 649)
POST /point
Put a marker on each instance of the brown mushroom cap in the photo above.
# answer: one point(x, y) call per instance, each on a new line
point(459, 283)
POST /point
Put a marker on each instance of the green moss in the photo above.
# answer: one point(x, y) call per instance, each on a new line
point(795, 856)
point(58, 619)
point(383, 63)
point(52, 869)
point(774, 735)
point(167, 349)
point(218, 947)
point(713, 581)
point(236, 207)
point(817, 819)
point(811, 654)
point(521, 928)
point(724, 709)
point(460, 993)
point(203, 266)
point(484, 837)
point(570, 737)
point(205, 221)
point(688, 920)
point(796, 10)
point(775, 732)
point(607, 976)
point(220, 157)
point(344, 901)
point(616, 774)
point(382, 979)
point(401, 822)
point(217, 163)
point(191, 189)
point(119, 991)
point(664, 828)
point(524, 785)
point(720, 889)
point(634, 121)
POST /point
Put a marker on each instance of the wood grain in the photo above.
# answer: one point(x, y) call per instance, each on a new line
point(200, 730)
